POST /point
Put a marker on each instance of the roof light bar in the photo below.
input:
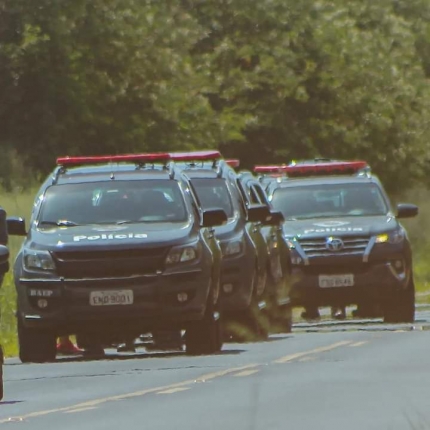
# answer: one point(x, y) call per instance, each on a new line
point(271, 169)
point(195, 156)
point(326, 168)
point(318, 168)
point(233, 162)
point(104, 159)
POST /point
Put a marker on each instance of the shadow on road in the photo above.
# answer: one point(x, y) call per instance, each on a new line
point(113, 356)
point(10, 402)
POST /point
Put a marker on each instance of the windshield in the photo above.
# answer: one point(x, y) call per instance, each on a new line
point(328, 200)
point(213, 193)
point(112, 202)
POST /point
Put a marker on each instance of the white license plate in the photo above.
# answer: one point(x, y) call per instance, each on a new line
point(111, 298)
point(333, 281)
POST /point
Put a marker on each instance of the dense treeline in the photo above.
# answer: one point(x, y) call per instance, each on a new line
point(264, 80)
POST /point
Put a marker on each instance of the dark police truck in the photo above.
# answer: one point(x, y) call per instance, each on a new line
point(347, 245)
point(117, 246)
point(245, 253)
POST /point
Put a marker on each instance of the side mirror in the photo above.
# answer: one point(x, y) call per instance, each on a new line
point(275, 219)
point(16, 226)
point(406, 210)
point(214, 217)
point(258, 213)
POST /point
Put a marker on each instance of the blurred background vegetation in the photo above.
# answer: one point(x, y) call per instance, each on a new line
point(262, 80)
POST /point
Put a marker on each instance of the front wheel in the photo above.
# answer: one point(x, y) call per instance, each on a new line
point(205, 336)
point(401, 307)
point(36, 346)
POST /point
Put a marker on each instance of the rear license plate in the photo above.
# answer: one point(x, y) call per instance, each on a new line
point(111, 298)
point(333, 281)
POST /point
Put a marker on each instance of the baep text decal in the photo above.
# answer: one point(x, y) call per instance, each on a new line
point(110, 237)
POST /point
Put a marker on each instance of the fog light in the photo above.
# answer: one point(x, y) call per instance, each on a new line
point(182, 297)
point(227, 288)
point(42, 303)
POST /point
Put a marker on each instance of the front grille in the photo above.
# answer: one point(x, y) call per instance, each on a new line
point(109, 263)
point(352, 246)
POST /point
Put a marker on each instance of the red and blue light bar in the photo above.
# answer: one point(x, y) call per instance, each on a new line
point(314, 168)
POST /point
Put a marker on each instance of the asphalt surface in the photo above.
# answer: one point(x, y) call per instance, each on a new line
point(328, 375)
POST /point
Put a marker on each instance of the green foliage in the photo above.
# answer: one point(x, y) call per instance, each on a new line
point(265, 80)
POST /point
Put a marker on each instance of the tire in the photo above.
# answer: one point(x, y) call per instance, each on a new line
point(36, 346)
point(282, 319)
point(401, 308)
point(205, 337)
point(251, 324)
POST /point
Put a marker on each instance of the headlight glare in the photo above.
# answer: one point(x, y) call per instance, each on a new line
point(382, 238)
point(39, 260)
point(393, 237)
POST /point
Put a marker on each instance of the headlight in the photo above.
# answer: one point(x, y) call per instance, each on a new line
point(232, 248)
point(182, 255)
point(393, 237)
point(40, 260)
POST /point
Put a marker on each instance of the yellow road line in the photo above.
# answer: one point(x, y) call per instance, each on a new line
point(174, 390)
point(307, 358)
point(184, 385)
point(353, 345)
point(297, 355)
point(246, 373)
point(74, 411)
point(100, 401)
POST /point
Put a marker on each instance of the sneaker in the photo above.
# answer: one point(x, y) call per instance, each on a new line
point(68, 348)
point(338, 313)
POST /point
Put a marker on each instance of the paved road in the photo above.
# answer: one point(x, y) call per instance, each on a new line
point(330, 375)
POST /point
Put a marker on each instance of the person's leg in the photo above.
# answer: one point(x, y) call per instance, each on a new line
point(66, 347)
point(311, 312)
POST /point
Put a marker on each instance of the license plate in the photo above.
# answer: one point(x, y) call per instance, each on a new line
point(333, 281)
point(111, 298)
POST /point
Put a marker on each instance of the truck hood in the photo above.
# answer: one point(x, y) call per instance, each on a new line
point(344, 226)
point(100, 237)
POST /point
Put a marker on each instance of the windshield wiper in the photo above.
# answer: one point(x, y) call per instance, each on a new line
point(128, 222)
point(59, 223)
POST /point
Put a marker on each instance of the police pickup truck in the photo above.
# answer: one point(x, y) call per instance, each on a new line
point(117, 246)
point(245, 252)
point(346, 242)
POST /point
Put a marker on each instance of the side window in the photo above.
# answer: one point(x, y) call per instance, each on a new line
point(253, 195)
point(261, 194)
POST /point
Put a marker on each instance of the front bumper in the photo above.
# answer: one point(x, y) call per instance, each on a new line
point(373, 281)
point(155, 304)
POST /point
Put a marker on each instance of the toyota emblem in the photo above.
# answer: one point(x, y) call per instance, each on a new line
point(334, 244)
